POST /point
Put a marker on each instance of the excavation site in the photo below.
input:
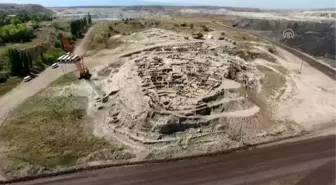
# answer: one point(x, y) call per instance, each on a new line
point(147, 89)
point(192, 96)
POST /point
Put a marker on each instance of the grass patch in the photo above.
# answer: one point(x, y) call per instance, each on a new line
point(193, 25)
point(103, 31)
point(9, 84)
point(48, 132)
point(272, 82)
point(66, 79)
point(61, 25)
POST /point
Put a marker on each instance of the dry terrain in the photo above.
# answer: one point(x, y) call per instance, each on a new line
point(161, 93)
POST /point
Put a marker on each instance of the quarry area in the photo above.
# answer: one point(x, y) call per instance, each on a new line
point(164, 94)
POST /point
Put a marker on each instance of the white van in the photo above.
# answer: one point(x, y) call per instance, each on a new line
point(55, 65)
point(27, 78)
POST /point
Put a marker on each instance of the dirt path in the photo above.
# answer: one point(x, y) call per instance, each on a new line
point(82, 48)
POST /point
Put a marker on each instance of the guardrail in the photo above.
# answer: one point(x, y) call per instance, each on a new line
point(331, 72)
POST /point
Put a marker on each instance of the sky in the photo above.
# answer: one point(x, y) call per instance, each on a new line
point(268, 4)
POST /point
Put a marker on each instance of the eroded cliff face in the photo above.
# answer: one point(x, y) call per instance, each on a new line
point(314, 38)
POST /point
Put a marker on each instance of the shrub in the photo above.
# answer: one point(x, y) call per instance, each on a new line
point(3, 76)
point(191, 26)
point(271, 50)
point(205, 28)
point(39, 64)
point(35, 24)
point(198, 35)
point(58, 44)
point(16, 33)
point(51, 55)
point(71, 38)
point(184, 24)
point(99, 38)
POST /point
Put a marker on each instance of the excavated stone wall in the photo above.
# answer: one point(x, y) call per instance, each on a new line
point(159, 96)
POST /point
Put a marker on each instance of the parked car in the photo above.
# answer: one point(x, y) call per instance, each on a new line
point(54, 65)
point(27, 78)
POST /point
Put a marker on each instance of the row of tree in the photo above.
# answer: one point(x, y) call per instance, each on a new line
point(16, 33)
point(22, 18)
point(15, 28)
point(19, 62)
point(79, 26)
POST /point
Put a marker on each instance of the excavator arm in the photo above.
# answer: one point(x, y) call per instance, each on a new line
point(67, 47)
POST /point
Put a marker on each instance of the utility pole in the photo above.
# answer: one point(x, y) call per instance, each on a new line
point(62, 68)
point(301, 66)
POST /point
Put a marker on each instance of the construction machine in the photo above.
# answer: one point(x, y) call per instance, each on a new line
point(75, 59)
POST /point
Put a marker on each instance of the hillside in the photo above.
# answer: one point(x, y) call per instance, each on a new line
point(314, 38)
point(30, 8)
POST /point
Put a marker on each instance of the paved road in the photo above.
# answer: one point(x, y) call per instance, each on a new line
point(302, 163)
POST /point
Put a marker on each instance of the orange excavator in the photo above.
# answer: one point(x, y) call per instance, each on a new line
point(83, 70)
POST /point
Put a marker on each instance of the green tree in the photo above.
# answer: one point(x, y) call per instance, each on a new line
point(25, 63)
point(16, 33)
point(35, 24)
point(89, 19)
point(73, 28)
point(14, 61)
point(51, 56)
point(14, 20)
point(85, 22)
point(19, 62)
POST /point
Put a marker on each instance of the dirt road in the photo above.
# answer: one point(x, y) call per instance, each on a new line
point(25, 90)
point(302, 163)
